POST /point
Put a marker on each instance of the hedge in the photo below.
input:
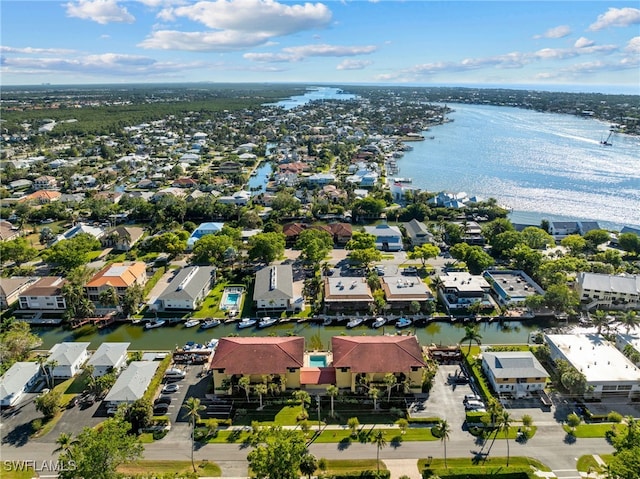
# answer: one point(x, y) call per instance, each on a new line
point(384, 474)
point(462, 474)
point(423, 420)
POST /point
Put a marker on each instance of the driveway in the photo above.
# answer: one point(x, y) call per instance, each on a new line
point(15, 426)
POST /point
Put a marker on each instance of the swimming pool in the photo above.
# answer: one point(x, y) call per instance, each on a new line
point(231, 298)
point(317, 361)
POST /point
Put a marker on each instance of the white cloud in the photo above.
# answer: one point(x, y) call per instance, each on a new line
point(583, 42)
point(35, 51)
point(271, 57)
point(633, 46)
point(202, 41)
point(353, 64)
point(265, 16)
point(556, 32)
point(299, 53)
point(100, 11)
point(616, 17)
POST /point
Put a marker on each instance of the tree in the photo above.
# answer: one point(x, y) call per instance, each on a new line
point(210, 249)
point(48, 403)
point(629, 242)
point(139, 414)
point(72, 253)
point(503, 242)
point(308, 464)
point(443, 430)
point(305, 399)
point(353, 424)
point(573, 421)
point(537, 238)
point(332, 391)
point(471, 334)
point(390, 381)
point(261, 389)
point(16, 341)
point(97, 452)
point(361, 240)
point(65, 442)
point(244, 382)
point(277, 453)
point(365, 256)
point(424, 252)
point(192, 409)
point(504, 423)
point(314, 245)
point(380, 442)
point(600, 320)
point(374, 393)
point(595, 238)
point(266, 247)
point(576, 244)
point(133, 296)
point(109, 297)
point(368, 207)
point(630, 320)
point(17, 250)
point(285, 204)
point(495, 227)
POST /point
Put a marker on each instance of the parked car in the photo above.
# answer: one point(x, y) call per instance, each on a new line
point(111, 411)
point(174, 374)
point(160, 409)
point(470, 405)
point(170, 388)
point(471, 397)
point(162, 400)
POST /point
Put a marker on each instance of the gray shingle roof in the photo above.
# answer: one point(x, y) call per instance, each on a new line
point(108, 354)
point(133, 382)
point(188, 283)
point(514, 364)
point(274, 282)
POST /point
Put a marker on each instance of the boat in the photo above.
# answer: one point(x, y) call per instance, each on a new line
point(379, 322)
point(192, 323)
point(403, 323)
point(247, 323)
point(156, 323)
point(210, 323)
point(327, 322)
point(267, 321)
point(607, 141)
point(355, 322)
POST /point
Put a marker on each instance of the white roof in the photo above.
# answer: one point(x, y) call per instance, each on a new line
point(463, 281)
point(610, 283)
point(66, 354)
point(133, 382)
point(14, 380)
point(108, 354)
point(595, 357)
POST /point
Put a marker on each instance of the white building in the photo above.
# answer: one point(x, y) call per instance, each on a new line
point(16, 381)
point(606, 291)
point(109, 357)
point(188, 289)
point(45, 294)
point(68, 359)
point(459, 290)
point(608, 372)
point(517, 373)
point(132, 383)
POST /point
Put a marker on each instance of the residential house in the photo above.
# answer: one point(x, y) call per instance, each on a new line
point(45, 294)
point(347, 294)
point(45, 182)
point(132, 383)
point(370, 358)
point(417, 232)
point(388, 238)
point(8, 231)
point(109, 357)
point(122, 238)
point(203, 230)
point(401, 291)
point(67, 359)
point(230, 168)
point(399, 188)
point(341, 232)
point(320, 179)
point(561, 229)
point(471, 233)
point(41, 197)
point(10, 289)
point(273, 289)
point(459, 290)
point(514, 373)
point(511, 288)
point(629, 344)
point(606, 291)
point(187, 289)
point(18, 379)
point(280, 358)
point(609, 373)
point(184, 183)
point(79, 228)
point(119, 276)
point(22, 184)
point(239, 198)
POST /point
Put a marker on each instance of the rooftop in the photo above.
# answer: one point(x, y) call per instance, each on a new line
point(347, 289)
point(405, 288)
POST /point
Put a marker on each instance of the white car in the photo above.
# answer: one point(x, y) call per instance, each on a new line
point(170, 388)
point(112, 411)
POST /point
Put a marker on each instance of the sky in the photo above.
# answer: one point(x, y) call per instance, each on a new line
point(571, 45)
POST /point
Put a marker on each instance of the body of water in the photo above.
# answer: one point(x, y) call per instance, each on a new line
point(540, 165)
point(171, 336)
point(258, 182)
point(315, 93)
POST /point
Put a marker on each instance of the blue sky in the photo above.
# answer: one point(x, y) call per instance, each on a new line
point(594, 45)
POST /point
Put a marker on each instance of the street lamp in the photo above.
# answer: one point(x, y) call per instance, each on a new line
point(318, 401)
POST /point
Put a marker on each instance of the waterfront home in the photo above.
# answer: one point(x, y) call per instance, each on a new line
point(118, 276)
point(41, 197)
point(109, 357)
point(45, 182)
point(561, 229)
point(44, 294)
point(370, 358)
point(401, 291)
point(8, 232)
point(459, 290)
point(388, 238)
point(239, 198)
point(122, 238)
point(132, 383)
point(10, 289)
point(609, 373)
point(257, 357)
point(514, 373)
point(18, 379)
point(347, 294)
point(68, 359)
point(187, 289)
point(79, 228)
point(511, 287)
point(273, 289)
point(320, 179)
point(417, 232)
point(607, 291)
point(230, 168)
point(471, 233)
point(629, 344)
point(202, 230)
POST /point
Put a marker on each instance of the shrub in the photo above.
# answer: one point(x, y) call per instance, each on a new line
point(36, 424)
point(614, 416)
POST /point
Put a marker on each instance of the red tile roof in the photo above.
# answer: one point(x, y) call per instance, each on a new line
point(376, 354)
point(259, 355)
point(318, 376)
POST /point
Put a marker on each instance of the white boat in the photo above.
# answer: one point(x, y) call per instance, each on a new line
point(327, 322)
point(355, 322)
point(210, 323)
point(156, 323)
point(267, 321)
point(379, 322)
point(247, 323)
point(192, 323)
point(403, 323)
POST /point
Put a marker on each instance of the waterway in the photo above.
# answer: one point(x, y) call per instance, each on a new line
point(169, 337)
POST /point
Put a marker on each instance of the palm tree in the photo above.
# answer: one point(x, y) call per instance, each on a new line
point(65, 442)
point(600, 320)
point(304, 398)
point(471, 334)
point(261, 389)
point(353, 424)
point(244, 383)
point(109, 297)
point(630, 320)
point(193, 407)
point(444, 430)
point(504, 423)
point(332, 391)
point(390, 380)
point(374, 393)
point(380, 442)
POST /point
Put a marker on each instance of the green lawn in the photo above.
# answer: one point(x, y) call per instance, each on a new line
point(66, 398)
point(461, 467)
point(343, 466)
point(204, 468)
point(11, 472)
point(211, 305)
point(594, 430)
